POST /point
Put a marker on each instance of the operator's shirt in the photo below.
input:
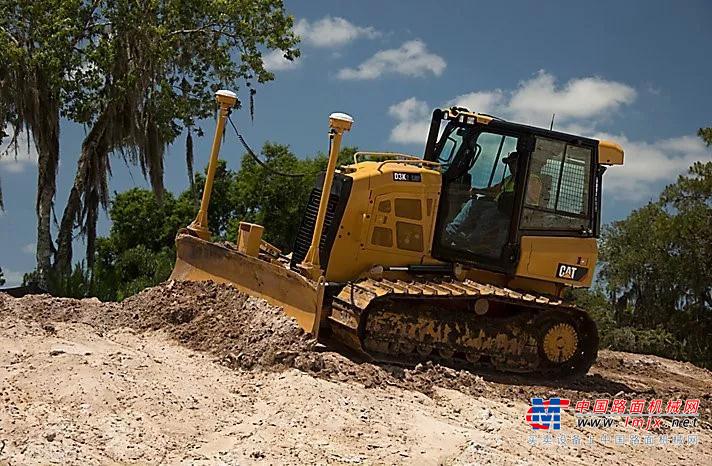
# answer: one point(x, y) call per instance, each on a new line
point(533, 189)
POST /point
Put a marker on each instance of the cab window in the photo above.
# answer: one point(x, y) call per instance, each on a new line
point(488, 168)
point(450, 146)
point(558, 183)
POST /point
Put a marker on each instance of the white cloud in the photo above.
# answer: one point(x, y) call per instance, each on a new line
point(17, 162)
point(582, 106)
point(332, 32)
point(12, 278)
point(29, 248)
point(412, 116)
point(535, 100)
point(410, 59)
point(648, 166)
point(484, 102)
point(274, 61)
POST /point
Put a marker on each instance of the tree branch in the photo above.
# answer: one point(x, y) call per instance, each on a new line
point(17, 42)
point(206, 29)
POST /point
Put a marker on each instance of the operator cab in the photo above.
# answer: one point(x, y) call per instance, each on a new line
point(502, 181)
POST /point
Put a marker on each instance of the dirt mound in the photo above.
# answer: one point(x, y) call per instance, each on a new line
point(46, 308)
point(245, 332)
point(240, 330)
point(113, 388)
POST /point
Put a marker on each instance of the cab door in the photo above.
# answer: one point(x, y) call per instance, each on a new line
point(476, 219)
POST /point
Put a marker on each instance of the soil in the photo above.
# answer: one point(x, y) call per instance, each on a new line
point(199, 373)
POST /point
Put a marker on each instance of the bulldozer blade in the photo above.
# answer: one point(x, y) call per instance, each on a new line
point(198, 260)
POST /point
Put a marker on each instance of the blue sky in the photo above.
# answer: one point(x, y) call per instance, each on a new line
point(634, 71)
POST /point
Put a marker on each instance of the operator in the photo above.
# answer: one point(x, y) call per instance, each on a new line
point(494, 208)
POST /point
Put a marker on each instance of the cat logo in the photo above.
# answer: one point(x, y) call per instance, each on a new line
point(571, 272)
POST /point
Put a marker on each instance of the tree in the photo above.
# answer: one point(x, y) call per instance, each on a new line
point(706, 135)
point(657, 265)
point(136, 74)
point(39, 42)
point(139, 250)
point(153, 72)
point(691, 201)
point(637, 264)
point(277, 202)
point(2, 277)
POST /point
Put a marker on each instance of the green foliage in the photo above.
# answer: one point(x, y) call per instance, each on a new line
point(176, 53)
point(119, 273)
point(659, 342)
point(135, 74)
point(76, 284)
point(619, 333)
point(275, 201)
point(272, 200)
point(139, 250)
point(40, 45)
point(657, 269)
point(637, 263)
point(140, 219)
point(706, 135)
point(222, 201)
point(163, 59)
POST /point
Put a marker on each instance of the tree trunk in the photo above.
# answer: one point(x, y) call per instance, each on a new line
point(45, 133)
point(45, 197)
point(80, 204)
point(63, 255)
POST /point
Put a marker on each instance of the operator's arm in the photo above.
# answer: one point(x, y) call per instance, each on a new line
point(493, 190)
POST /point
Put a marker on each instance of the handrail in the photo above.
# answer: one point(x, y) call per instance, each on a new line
point(411, 161)
point(384, 154)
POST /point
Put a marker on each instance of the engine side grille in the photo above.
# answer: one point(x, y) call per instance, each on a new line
point(340, 191)
point(306, 229)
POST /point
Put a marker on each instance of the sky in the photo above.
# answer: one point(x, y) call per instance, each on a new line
point(636, 72)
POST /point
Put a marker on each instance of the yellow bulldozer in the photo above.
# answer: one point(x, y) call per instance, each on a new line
point(460, 256)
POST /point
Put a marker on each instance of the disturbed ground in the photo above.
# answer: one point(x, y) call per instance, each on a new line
point(197, 373)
